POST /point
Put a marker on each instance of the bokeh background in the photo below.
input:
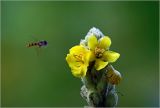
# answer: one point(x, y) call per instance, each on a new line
point(45, 80)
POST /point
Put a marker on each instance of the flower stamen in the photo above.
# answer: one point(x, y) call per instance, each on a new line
point(99, 52)
point(78, 58)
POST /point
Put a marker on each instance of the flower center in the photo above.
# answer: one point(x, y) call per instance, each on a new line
point(79, 58)
point(99, 52)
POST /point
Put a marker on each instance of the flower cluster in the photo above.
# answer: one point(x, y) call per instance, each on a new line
point(95, 51)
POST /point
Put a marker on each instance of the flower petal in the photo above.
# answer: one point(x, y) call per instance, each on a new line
point(84, 70)
point(105, 42)
point(99, 64)
point(110, 56)
point(72, 61)
point(77, 49)
point(79, 72)
point(92, 56)
point(92, 42)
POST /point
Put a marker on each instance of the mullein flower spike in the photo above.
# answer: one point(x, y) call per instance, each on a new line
point(90, 61)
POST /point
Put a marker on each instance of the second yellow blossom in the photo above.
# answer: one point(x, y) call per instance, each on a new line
point(100, 51)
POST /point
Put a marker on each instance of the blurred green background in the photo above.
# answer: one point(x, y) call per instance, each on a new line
point(45, 80)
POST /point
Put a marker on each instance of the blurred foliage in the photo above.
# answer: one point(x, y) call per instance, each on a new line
point(46, 80)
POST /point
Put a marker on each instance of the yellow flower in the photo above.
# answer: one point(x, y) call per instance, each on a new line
point(78, 60)
point(100, 51)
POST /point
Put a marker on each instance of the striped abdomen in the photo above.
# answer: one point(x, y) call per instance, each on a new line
point(32, 44)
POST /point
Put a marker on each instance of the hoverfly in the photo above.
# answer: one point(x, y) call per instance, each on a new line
point(38, 45)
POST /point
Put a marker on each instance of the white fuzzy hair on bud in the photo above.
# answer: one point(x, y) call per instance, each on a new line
point(93, 31)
